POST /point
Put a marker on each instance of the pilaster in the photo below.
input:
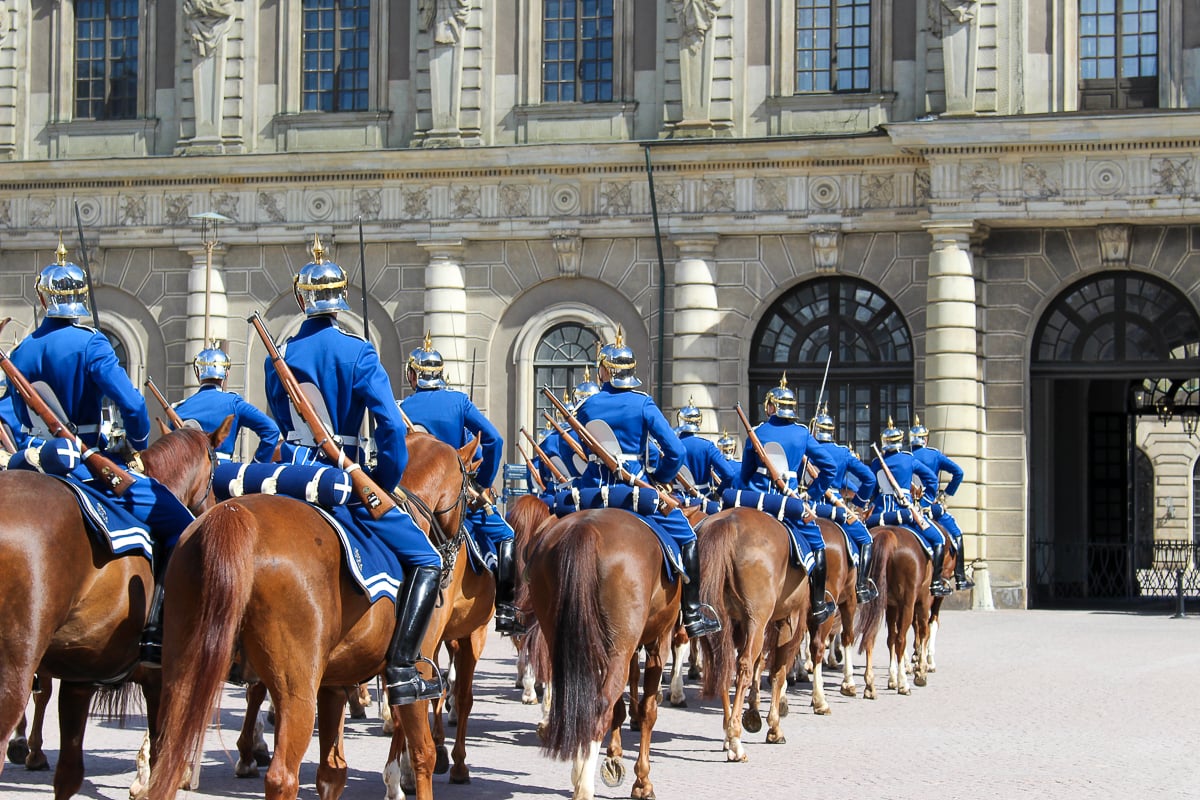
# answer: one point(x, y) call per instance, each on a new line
point(694, 344)
point(446, 305)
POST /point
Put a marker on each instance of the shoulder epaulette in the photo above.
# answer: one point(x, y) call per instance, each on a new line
point(351, 334)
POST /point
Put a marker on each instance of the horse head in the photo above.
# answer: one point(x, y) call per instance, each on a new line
point(184, 460)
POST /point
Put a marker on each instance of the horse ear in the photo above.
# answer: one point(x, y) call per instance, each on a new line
point(222, 431)
point(466, 453)
point(162, 426)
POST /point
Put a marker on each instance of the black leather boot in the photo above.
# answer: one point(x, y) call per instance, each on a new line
point(821, 608)
point(938, 587)
point(150, 646)
point(404, 683)
point(507, 620)
point(695, 621)
point(864, 586)
point(961, 581)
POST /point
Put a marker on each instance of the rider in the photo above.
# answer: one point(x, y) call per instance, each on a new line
point(74, 368)
point(783, 438)
point(342, 371)
point(728, 446)
point(451, 417)
point(893, 510)
point(935, 507)
point(702, 460)
point(211, 404)
point(635, 420)
point(833, 507)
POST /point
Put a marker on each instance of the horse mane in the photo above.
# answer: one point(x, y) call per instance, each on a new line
point(170, 460)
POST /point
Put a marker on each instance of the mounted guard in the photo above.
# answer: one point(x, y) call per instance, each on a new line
point(705, 468)
point(935, 506)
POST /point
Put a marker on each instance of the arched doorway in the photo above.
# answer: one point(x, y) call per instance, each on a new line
point(1115, 395)
point(871, 369)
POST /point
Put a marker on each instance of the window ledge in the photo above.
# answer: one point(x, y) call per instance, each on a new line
point(88, 138)
point(331, 130)
point(557, 122)
point(820, 113)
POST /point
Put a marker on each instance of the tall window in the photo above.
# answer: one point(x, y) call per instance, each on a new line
point(833, 46)
point(336, 55)
point(106, 59)
point(871, 369)
point(1118, 54)
point(559, 361)
point(577, 51)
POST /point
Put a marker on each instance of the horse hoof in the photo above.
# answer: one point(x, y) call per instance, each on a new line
point(904, 690)
point(38, 763)
point(244, 770)
point(18, 752)
point(850, 691)
point(920, 680)
point(869, 694)
point(442, 765)
point(751, 721)
point(823, 711)
point(931, 668)
point(460, 779)
point(612, 772)
point(693, 673)
point(360, 713)
point(780, 739)
point(783, 707)
point(679, 703)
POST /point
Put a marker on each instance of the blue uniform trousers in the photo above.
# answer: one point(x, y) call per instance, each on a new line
point(397, 530)
point(676, 526)
point(489, 528)
point(938, 513)
point(857, 532)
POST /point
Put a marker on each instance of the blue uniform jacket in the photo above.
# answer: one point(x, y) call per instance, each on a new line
point(846, 463)
point(552, 445)
point(452, 418)
point(634, 419)
point(938, 462)
point(211, 405)
point(797, 443)
point(79, 365)
point(703, 460)
point(903, 466)
point(351, 380)
point(8, 418)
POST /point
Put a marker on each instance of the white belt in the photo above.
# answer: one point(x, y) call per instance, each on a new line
point(81, 429)
point(785, 475)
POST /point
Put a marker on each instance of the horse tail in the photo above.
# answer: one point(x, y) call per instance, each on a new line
point(717, 544)
point(580, 645)
point(870, 615)
point(227, 538)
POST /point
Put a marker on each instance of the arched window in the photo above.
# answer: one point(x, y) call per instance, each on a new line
point(559, 361)
point(871, 369)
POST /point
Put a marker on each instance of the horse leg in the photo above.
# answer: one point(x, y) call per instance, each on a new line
point(903, 623)
point(583, 771)
point(643, 789)
point(36, 759)
point(932, 646)
point(295, 713)
point(331, 768)
point(251, 745)
point(469, 651)
point(693, 661)
point(635, 706)
point(920, 643)
point(847, 644)
point(18, 744)
point(784, 655)
point(868, 665)
point(677, 697)
point(73, 702)
point(437, 729)
point(744, 714)
point(816, 654)
point(893, 621)
point(412, 723)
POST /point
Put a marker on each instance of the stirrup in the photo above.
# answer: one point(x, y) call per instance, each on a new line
point(403, 688)
point(507, 621)
point(940, 588)
point(150, 649)
point(867, 592)
point(963, 583)
point(822, 612)
point(705, 622)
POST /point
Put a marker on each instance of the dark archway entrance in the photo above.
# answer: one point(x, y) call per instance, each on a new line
point(1110, 355)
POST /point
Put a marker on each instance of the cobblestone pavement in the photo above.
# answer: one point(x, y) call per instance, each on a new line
point(1024, 704)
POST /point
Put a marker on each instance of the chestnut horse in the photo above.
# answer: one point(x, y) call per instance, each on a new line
point(902, 572)
point(76, 610)
point(935, 607)
point(268, 571)
point(599, 590)
point(746, 559)
point(839, 585)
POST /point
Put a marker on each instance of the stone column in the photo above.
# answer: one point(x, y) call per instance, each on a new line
point(695, 369)
point(952, 386)
point(446, 307)
point(200, 283)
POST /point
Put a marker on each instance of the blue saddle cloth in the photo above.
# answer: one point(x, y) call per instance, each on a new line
point(787, 510)
point(371, 562)
point(641, 502)
point(892, 518)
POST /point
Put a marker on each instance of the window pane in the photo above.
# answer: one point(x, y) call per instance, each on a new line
point(336, 55)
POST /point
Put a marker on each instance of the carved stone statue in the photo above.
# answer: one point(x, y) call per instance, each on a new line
point(695, 18)
point(444, 18)
point(206, 22)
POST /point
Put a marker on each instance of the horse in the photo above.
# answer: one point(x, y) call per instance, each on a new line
point(599, 591)
point(527, 516)
point(935, 607)
point(79, 609)
point(902, 573)
point(28, 750)
point(268, 572)
point(839, 583)
point(746, 560)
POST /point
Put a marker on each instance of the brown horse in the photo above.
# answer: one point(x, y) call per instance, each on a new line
point(267, 571)
point(527, 516)
point(839, 584)
point(935, 607)
point(746, 560)
point(598, 587)
point(902, 572)
point(28, 750)
point(80, 610)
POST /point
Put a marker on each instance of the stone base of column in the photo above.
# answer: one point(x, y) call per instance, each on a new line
point(981, 595)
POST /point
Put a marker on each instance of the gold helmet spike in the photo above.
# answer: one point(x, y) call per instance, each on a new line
point(428, 345)
point(318, 251)
point(61, 253)
point(916, 420)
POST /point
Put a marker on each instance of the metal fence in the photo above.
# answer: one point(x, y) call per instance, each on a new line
point(1173, 570)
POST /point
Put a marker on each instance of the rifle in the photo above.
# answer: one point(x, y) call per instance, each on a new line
point(901, 497)
point(533, 473)
point(566, 436)
point(103, 467)
point(606, 458)
point(558, 476)
point(377, 501)
point(172, 415)
point(776, 478)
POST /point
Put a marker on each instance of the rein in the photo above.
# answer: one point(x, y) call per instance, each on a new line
point(446, 546)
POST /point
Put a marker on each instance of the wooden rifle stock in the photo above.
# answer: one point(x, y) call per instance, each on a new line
point(533, 473)
point(377, 501)
point(558, 476)
point(776, 478)
point(606, 458)
point(172, 415)
point(901, 497)
point(100, 465)
point(566, 436)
